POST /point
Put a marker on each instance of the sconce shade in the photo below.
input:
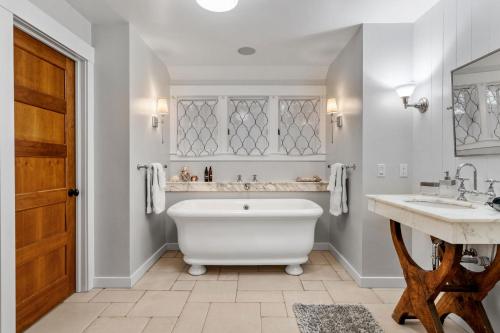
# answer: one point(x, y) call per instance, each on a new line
point(162, 106)
point(406, 90)
point(331, 106)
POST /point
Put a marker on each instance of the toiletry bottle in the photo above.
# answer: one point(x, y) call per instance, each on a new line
point(210, 175)
point(206, 175)
point(447, 186)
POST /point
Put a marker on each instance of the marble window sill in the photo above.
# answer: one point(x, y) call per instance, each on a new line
point(240, 187)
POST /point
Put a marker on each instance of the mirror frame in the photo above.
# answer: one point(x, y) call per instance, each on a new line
point(489, 150)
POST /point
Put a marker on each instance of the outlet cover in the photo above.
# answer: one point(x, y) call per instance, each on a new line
point(380, 170)
point(403, 170)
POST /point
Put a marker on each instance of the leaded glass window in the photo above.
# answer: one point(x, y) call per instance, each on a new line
point(197, 127)
point(467, 114)
point(492, 100)
point(248, 126)
point(299, 126)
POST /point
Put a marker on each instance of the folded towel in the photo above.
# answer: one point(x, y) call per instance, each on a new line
point(155, 195)
point(157, 192)
point(337, 188)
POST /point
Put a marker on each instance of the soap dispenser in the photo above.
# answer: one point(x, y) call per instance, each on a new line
point(447, 186)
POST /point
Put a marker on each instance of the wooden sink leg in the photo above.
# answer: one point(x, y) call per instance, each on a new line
point(422, 286)
point(466, 307)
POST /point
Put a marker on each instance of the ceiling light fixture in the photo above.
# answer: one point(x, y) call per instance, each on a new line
point(218, 6)
point(246, 50)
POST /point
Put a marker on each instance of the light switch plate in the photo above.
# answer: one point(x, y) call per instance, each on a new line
point(380, 170)
point(403, 170)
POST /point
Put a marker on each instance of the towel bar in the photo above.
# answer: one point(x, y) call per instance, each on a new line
point(348, 166)
point(145, 166)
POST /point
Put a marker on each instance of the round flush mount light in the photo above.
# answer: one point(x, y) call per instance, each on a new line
point(218, 6)
point(246, 50)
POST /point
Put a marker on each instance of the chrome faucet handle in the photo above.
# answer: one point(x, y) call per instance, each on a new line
point(461, 189)
point(254, 178)
point(239, 178)
point(491, 189)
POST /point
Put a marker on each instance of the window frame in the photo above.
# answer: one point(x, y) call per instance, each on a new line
point(223, 94)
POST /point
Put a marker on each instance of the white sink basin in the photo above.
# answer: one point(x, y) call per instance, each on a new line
point(440, 203)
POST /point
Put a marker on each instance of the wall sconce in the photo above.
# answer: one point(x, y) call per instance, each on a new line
point(406, 91)
point(161, 110)
point(332, 110)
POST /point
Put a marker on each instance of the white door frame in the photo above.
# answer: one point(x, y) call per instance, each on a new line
point(26, 16)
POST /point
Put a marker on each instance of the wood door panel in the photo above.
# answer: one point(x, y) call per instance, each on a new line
point(37, 224)
point(37, 124)
point(44, 94)
point(39, 75)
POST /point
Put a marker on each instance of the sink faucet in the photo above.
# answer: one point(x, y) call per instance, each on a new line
point(461, 188)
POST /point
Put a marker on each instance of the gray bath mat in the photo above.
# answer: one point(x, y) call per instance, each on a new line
point(335, 319)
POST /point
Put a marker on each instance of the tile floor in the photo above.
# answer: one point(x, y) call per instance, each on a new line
point(227, 299)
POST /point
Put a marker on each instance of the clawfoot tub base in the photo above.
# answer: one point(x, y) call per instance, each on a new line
point(294, 270)
point(197, 270)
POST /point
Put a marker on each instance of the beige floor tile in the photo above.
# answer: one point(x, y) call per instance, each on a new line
point(273, 309)
point(83, 297)
point(233, 318)
point(171, 265)
point(211, 275)
point(214, 291)
point(160, 325)
point(156, 280)
point(319, 273)
point(272, 268)
point(305, 297)
point(192, 318)
point(228, 276)
point(68, 317)
point(160, 304)
point(118, 296)
point(313, 285)
point(169, 254)
point(259, 296)
point(183, 285)
point(344, 275)
point(279, 325)
point(117, 310)
point(332, 261)
point(268, 281)
point(117, 324)
point(382, 314)
point(389, 295)
point(317, 258)
point(348, 292)
point(239, 269)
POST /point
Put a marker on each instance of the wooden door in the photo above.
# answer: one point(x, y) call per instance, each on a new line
point(45, 172)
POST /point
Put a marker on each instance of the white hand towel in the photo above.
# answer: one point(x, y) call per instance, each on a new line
point(335, 188)
point(149, 186)
point(345, 209)
point(157, 192)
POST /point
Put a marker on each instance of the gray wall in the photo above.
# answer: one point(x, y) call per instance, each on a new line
point(62, 12)
point(345, 83)
point(387, 139)
point(376, 130)
point(128, 79)
point(149, 79)
point(112, 150)
point(451, 34)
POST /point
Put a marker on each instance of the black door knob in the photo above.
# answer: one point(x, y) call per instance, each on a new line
point(73, 192)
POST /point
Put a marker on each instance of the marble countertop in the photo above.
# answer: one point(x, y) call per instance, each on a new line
point(240, 187)
point(458, 223)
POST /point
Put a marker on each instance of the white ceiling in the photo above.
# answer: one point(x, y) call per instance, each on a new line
point(290, 33)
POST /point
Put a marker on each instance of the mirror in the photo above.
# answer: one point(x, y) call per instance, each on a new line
point(476, 109)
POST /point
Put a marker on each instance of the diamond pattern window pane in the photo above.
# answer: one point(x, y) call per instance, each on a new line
point(248, 126)
point(492, 100)
point(197, 127)
point(467, 115)
point(299, 126)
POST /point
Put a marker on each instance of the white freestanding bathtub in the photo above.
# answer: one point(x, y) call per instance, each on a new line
point(245, 232)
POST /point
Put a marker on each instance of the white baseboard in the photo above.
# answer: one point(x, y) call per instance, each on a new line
point(321, 246)
point(129, 281)
point(367, 281)
point(172, 246)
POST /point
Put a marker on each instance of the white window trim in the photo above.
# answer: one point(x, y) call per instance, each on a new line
point(271, 92)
